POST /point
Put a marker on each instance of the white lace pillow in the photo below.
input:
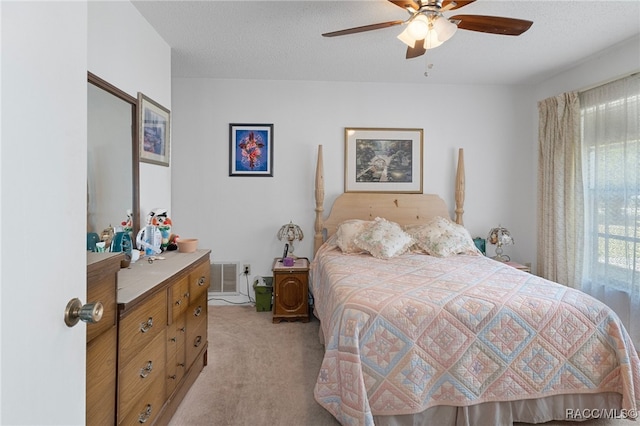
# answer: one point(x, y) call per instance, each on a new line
point(384, 239)
point(348, 231)
point(441, 237)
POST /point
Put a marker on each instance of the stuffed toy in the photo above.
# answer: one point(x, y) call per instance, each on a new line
point(159, 218)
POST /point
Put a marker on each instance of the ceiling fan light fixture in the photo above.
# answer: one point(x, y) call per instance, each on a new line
point(445, 28)
point(431, 41)
point(406, 38)
point(417, 29)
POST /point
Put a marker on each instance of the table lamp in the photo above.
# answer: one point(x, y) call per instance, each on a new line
point(499, 237)
point(290, 232)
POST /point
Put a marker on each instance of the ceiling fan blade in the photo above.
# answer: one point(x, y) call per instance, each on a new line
point(363, 28)
point(405, 4)
point(417, 50)
point(492, 24)
point(454, 4)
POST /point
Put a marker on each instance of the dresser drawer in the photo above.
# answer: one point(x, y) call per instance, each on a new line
point(176, 355)
point(179, 298)
point(101, 379)
point(147, 406)
point(142, 325)
point(144, 371)
point(196, 328)
point(199, 279)
point(102, 288)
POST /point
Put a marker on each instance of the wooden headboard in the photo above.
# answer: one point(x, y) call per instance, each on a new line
point(405, 209)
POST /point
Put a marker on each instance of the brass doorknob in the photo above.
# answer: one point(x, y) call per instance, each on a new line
point(75, 311)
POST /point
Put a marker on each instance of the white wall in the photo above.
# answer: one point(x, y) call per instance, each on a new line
point(125, 50)
point(616, 62)
point(238, 217)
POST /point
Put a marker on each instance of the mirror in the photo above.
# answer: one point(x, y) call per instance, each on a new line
point(112, 157)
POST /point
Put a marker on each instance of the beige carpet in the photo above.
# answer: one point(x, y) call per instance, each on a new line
point(261, 373)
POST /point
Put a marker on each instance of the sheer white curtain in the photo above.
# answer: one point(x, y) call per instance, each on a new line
point(611, 159)
point(560, 202)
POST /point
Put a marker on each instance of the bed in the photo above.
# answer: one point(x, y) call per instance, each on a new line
point(454, 339)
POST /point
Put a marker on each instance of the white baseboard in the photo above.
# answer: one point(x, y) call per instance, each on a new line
point(217, 299)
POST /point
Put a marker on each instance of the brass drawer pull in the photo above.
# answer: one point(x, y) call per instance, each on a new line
point(145, 371)
point(183, 329)
point(173, 377)
point(197, 341)
point(197, 311)
point(173, 339)
point(179, 302)
point(146, 326)
point(201, 281)
point(143, 417)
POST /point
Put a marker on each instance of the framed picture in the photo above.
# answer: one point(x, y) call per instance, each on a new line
point(383, 160)
point(154, 131)
point(250, 149)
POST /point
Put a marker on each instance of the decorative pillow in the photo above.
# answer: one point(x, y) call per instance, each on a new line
point(384, 239)
point(440, 237)
point(348, 231)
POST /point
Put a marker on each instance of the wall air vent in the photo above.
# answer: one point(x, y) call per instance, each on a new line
point(224, 278)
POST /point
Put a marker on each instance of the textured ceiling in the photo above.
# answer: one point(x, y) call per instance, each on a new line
point(281, 40)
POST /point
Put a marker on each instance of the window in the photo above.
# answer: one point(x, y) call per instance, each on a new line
point(610, 121)
point(611, 147)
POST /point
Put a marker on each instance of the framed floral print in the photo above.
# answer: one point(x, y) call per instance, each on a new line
point(250, 149)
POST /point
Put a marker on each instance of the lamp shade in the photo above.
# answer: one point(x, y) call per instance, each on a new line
point(416, 30)
point(290, 232)
point(445, 28)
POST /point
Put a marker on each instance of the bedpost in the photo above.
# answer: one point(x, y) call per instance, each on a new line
point(460, 188)
point(317, 238)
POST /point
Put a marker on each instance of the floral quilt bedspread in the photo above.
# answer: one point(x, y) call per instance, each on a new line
point(416, 331)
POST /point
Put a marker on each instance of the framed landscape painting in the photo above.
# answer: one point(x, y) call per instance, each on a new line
point(383, 160)
point(250, 149)
point(154, 131)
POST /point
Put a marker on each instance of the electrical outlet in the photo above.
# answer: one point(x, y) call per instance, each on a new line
point(246, 269)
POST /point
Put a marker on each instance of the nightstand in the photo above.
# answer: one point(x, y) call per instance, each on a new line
point(517, 265)
point(291, 290)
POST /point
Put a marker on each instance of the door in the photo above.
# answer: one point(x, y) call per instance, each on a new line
point(43, 211)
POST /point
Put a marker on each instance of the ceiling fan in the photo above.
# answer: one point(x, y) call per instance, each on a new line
point(427, 28)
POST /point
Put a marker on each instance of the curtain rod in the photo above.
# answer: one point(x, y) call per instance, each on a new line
point(611, 80)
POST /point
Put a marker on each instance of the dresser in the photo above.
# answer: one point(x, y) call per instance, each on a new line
point(102, 279)
point(162, 334)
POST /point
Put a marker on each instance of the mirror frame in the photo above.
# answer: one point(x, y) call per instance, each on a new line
point(135, 159)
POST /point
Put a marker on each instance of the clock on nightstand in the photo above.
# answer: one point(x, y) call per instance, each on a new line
point(291, 290)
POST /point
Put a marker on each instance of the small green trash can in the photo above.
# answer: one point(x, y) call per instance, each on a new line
point(263, 293)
